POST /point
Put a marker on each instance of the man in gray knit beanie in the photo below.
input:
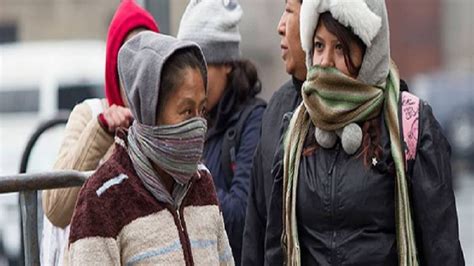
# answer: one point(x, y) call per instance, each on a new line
point(213, 24)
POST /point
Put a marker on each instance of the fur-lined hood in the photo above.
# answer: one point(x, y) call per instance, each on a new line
point(367, 18)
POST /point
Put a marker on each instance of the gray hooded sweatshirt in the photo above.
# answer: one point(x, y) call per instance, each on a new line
point(140, 64)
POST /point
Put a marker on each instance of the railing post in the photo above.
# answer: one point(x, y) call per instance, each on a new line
point(29, 212)
point(28, 186)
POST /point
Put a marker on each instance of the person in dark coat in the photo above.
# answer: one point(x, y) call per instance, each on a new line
point(234, 112)
point(284, 100)
point(343, 193)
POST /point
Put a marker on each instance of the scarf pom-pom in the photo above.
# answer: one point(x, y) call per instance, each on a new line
point(351, 138)
point(326, 139)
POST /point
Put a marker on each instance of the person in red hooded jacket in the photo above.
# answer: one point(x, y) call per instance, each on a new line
point(90, 130)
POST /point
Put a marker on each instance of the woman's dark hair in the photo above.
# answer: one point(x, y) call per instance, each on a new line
point(173, 70)
point(371, 141)
point(243, 84)
point(244, 79)
point(345, 36)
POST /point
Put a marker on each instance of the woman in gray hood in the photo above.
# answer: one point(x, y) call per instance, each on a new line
point(152, 202)
point(352, 186)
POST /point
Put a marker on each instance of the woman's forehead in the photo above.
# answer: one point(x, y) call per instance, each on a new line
point(191, 85)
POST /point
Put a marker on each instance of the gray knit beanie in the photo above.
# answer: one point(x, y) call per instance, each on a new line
point(213, 24)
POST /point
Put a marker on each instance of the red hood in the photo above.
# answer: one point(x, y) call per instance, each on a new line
point(128, 17)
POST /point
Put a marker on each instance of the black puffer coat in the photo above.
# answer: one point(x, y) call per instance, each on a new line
point(346, 211)
point(286, 99)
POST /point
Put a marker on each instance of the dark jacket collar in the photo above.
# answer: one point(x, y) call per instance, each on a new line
point(297, 83)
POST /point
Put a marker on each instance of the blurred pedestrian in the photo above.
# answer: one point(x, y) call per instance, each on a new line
point(343, 192)
point(153, 202)
point(235, 113)
point(90, 130)
point(284, 100)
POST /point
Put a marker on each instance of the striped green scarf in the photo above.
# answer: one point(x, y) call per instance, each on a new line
point(332, 100)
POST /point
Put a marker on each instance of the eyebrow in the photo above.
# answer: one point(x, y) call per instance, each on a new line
point(322, 40)
point(186, 101)
point(319, 38)
point(190, 101)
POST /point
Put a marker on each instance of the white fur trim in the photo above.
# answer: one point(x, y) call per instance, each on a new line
point(350, 13)
point(357, 15)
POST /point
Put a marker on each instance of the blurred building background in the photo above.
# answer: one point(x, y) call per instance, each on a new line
point(426, 35)
point(28, 20)
point(432, 42)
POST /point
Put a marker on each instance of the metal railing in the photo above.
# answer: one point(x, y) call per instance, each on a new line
point(28, 186)
point(43, 180)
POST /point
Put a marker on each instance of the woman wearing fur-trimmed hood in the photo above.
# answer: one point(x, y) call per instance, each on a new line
point(349, 187)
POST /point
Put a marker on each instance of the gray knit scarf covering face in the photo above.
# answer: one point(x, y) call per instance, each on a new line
point(176, 149)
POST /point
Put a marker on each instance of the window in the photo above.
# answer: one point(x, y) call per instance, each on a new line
point(13, 101)
point(70, 95)
point(8, 33)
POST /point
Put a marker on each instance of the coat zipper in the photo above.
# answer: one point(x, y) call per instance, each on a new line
point(188, 256)
point(333, 195)
point(179, 221)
